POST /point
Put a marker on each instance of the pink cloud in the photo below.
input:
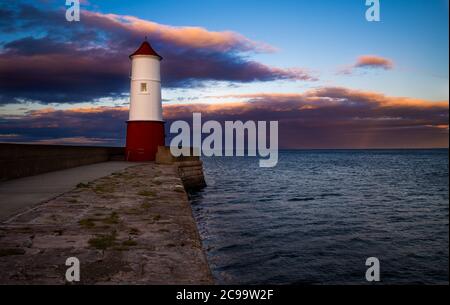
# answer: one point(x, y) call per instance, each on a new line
point(374, 61)
point(368, 62)
point(183, 36)
point(328, 117)
point(89, 59)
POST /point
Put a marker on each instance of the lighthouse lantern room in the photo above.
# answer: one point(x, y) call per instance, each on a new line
point(145, 127)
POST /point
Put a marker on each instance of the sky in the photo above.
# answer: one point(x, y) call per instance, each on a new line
point(331, 78)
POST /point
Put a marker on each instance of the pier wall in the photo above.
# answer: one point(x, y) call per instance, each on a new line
point(189, 168)
point(21, 160)
point(134, 226)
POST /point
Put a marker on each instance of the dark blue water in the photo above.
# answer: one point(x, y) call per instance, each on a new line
point(318, 215)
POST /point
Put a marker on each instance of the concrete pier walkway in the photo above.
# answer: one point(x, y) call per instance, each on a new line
point(19, 194)
point(134, 226)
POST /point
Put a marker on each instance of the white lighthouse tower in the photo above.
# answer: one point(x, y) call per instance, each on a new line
point(145, 127)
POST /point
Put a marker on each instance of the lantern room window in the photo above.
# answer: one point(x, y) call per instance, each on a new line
point(144, 87)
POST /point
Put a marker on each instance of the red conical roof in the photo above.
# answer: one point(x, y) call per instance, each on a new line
point(146, 49)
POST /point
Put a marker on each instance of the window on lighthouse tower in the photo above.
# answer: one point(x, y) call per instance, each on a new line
point(144, 87)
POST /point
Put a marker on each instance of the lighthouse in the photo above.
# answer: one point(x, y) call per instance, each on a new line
point(145, 127)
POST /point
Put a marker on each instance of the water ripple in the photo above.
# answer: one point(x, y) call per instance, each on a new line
point(318, 215)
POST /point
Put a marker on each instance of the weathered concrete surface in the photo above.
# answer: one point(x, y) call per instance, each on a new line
point(19, 194)
point(190, 168)
point(22, 160)
point(132, 227)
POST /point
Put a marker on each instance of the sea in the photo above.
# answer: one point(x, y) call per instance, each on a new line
point(319, 215)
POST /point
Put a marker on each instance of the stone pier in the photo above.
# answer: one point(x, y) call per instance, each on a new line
point(132, 227)
point(190, 169)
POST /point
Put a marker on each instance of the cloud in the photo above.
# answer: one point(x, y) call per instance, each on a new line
point(367, 62)
point(81, 61)
point(191, 37)
point(373, 61)
point(328, 117)
point(77, 141)
point(92, 125)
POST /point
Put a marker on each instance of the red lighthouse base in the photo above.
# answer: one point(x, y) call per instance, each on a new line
point(143, 139)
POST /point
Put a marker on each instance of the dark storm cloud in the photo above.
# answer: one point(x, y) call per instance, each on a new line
point(336, 118)
point(102, 125)
point(48, 71)
point(321, 118)
point(80, 61)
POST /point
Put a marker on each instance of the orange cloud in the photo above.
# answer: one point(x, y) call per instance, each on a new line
point(330, 96)
point(368, 62)
point(89, 59)
point(328, 117)
point(75, 141)
point(374, 61)
point(195, 37)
